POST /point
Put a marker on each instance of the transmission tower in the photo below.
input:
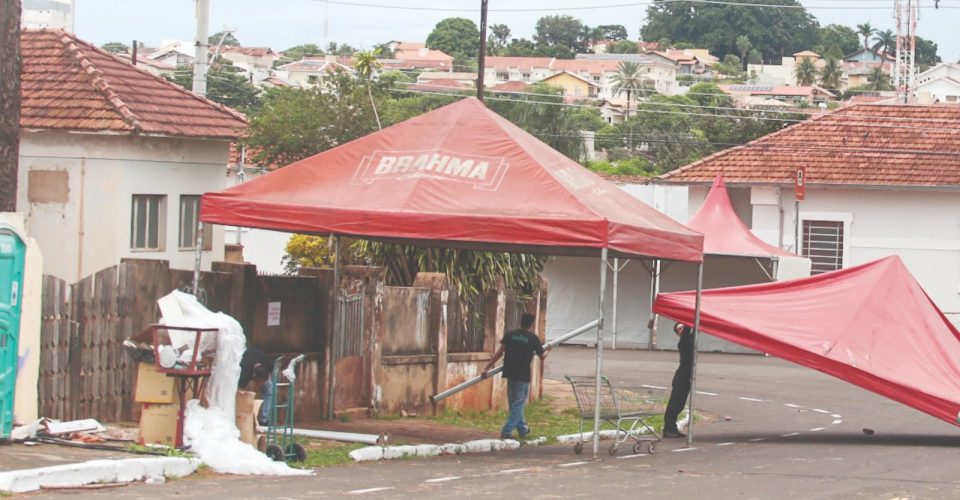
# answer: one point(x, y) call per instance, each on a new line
point(904, 70)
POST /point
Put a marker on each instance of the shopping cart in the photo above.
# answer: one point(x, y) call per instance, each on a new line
point(622, 407)
point(279, 441)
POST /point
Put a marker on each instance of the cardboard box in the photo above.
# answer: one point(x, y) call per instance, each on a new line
point(246, 421)
point(158, 424)
point(153, 386)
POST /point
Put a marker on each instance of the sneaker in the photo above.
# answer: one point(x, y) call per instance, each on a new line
point(673, 434)
point(524, 432)
point(506, 436)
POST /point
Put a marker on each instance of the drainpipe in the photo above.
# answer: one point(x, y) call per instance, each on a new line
point(780, 208)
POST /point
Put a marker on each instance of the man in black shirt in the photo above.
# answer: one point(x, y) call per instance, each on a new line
point(518, 346)
point(256, 366)
point(681, 382)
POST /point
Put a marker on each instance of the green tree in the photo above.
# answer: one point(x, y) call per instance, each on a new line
point(926, 53)
point(629, 81)
point(755, 56)
point(865, 31)
point(744, 47)
point(228, 39)
point(520, 47)
point(612, 32)
point(623, 47)
point(878, 79)
point(297, 53)
point(116, 47)
point(457, 37)
point(225, 85)
point(296, 123)
point(498, 39)
point(837, 35)
point(773, 31)
point(805, 72)
point(884, 42)
point(342, 49)
point(710, 95)
point(561, 31)
point(543, 117)
point(587, 119)
point(365, 64)
point(830, 74)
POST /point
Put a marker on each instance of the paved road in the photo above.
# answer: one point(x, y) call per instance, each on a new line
point(791, 433)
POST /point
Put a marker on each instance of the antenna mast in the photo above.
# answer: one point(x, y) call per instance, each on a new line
point(904, 71)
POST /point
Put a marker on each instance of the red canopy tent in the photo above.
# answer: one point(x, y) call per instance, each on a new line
point(459, 176)
point(870, 325)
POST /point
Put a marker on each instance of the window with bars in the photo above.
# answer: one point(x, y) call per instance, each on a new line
point(189, 213)
point(823, 245)
point(147, 222)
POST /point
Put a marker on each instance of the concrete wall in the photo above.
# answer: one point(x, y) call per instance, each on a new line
point(79, 205)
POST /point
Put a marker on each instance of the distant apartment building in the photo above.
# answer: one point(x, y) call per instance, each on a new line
point(48, 14)
point(939, 84)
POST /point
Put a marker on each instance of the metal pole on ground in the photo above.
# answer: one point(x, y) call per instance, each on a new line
point(599, 371)
point(197, 256)
point(654, 290)
point(616, 287)
point(696, 348)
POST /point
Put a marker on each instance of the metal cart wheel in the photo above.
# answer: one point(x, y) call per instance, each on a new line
point(637, 448)
point(275, 452)
point(613, 448)
point(578, 448)
point(651, 448)
point(296, 452)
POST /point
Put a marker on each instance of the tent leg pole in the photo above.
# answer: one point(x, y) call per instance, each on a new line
point(334, 330)
point(696, 349)
point(654, 290)
point(616, 287)
point(599, 371)
point(197, 258)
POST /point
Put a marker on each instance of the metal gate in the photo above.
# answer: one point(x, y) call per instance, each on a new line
point(350, 322)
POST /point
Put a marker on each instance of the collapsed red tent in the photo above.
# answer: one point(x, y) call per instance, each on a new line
point(460, 175)
point(870, 325)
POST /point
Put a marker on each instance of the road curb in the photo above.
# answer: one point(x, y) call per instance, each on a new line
point(96, 471)
point(375, 453)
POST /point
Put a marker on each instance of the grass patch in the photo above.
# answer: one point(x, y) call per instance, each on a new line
point(157, 450)
point(329, 455)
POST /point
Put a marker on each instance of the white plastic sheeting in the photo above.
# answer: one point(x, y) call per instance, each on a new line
point(212, 432)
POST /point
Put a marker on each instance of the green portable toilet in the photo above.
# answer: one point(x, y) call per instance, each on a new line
point(12, 255)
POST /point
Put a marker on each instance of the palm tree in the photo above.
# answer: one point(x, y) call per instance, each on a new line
point(806, 72)
point(866, 30)
point(744, 46)
point(878, 79)
point(884, 41)
point(830, 74)
point(628, 81)
point(365, 65)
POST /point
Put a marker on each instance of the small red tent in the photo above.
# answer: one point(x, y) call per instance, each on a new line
point(460, 175)
point(871, 325)
point(723, 231)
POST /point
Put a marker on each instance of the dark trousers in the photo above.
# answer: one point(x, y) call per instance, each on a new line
point(678, 398)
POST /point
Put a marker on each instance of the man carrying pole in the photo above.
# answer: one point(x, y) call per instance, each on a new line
point(519, 347)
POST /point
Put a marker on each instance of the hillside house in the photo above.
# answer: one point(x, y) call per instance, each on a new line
point(257, 62)
point(312, 70)
point(113, 159)
point(409, 56)
point(881, 180)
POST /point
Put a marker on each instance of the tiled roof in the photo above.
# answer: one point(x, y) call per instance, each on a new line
point(247, 51)
point(316, 65)
point(68, 84)
point(511, 86)
point(778, 90)
point(867, 145)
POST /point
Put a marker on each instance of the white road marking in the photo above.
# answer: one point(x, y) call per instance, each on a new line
point(442, 479)
point(725, 444)
point(512, 471)
point(683, 449)
point(791, 405)
point(654, 387)
point(754, 440)
point(791, 434)
point(572, 464)
point(705, 393)
point(632, 456)
point(818, 410)
point(751, 399)
point(816, 429)
point(835, 415)
point(837, 421)
point(370, 490)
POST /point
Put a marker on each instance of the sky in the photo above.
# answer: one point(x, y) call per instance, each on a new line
point(280, 24)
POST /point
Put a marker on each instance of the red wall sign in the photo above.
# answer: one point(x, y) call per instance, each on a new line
point(800, 184)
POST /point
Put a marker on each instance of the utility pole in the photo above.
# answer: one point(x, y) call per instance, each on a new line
point(483, 48)
point(202, 53)
point(904, 71)
point(10, 65)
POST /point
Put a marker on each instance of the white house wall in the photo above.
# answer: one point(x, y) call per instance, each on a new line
point(89, 228)
point(922, 227)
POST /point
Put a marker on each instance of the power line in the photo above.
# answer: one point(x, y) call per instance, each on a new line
point(619, 6)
